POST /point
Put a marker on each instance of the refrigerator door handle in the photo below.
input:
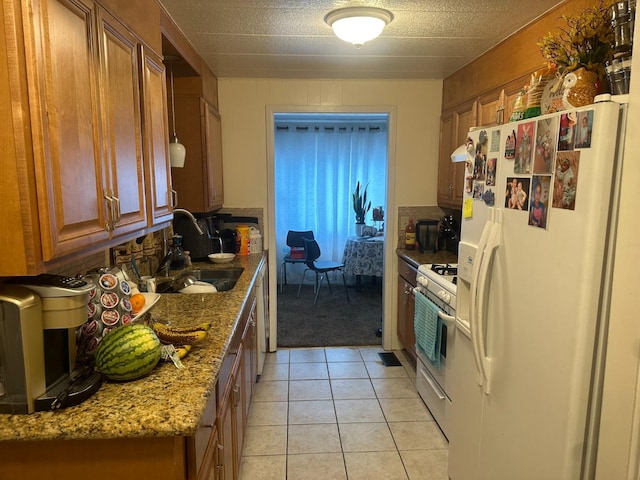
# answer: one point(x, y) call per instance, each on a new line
point(492, 245)
point(473, 294)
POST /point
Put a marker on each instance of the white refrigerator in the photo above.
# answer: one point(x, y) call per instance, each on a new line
point(534, 272)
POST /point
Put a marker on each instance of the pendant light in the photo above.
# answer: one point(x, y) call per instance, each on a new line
point(177, 152)
point(358, 24)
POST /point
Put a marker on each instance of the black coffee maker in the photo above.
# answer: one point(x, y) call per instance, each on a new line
point(198, 246)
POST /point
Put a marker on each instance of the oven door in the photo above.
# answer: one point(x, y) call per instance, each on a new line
point(447, 335)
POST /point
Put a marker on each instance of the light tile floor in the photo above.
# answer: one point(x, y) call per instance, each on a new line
point(337, 414)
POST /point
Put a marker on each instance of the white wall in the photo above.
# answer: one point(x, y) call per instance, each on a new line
point(414, 163)
point(243, 103)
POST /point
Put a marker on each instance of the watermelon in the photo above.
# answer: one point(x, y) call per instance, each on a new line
point(128, 352)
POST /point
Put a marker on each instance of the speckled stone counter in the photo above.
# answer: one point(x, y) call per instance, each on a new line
point(415, 258)
point(168, 402)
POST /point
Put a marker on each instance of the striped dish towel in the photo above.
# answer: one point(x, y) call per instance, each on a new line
point(427, 325)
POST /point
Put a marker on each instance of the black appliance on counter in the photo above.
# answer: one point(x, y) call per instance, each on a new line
point(215, 226)
point(427, 235)
point(449, 233)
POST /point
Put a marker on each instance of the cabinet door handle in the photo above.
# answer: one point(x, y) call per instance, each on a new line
point(236, 396)
point(117, 210)
point(174, 198)
point(109, 225)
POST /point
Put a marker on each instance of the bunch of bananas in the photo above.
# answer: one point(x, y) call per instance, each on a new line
point(182, 338)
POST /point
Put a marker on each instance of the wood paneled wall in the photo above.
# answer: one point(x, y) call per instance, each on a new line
point(513, 58)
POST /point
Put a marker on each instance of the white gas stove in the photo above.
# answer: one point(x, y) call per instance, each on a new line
point(437, 282)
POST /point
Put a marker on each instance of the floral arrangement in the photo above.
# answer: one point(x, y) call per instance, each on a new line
point(584, 42)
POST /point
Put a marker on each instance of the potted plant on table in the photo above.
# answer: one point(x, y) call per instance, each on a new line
point(360, 207)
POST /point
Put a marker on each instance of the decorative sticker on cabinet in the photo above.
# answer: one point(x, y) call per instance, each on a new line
point(495, 141)
point(524, 150)
point(491, 171)
point(567, 131)
point(517, 193)
point(565, 185)
point(540, 201)
point(583, 129)
point(510, 146)
point(546, 133)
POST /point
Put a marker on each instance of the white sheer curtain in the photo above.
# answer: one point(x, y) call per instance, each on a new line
point(318, 161)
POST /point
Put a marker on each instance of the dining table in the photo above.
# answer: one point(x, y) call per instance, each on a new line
point(364, 256)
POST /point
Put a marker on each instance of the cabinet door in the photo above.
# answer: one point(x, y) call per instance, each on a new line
point(406, 307)
point(445, 167)
point(156, 140)
point(122, 126)
point(465, 117)
point(225, 433)
point(213, 149)
point(250, 360)
point(64, 102)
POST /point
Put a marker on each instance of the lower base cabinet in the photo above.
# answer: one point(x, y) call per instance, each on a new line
point(406, 307)
point(212, 453)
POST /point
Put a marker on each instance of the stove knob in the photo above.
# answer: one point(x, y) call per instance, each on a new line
point(424, 281)
point(445, 296)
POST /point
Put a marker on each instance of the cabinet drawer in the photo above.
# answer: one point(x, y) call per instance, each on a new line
point(204, 432)
point(407, 271)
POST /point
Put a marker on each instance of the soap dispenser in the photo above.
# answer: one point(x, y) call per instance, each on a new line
point(177, 256)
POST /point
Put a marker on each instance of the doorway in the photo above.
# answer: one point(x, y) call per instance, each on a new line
point(317, 160)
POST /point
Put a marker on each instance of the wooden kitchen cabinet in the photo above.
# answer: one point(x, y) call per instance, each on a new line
point(406, 307)
point(198, 184)
point(73, 147)
point(156, 141)
point(454, 129)
point(119, 67)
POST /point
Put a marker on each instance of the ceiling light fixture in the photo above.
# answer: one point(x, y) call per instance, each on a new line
point(177, 152)
point(358, 24)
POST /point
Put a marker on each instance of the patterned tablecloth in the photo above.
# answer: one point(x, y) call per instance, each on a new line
point(364, 256)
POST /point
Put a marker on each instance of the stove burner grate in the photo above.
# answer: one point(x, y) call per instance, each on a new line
point(447, 269)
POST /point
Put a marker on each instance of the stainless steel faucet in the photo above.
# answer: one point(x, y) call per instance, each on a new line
point(219, 240)
point(191, 217)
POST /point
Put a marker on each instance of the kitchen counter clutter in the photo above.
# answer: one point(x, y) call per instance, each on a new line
point(169, 402)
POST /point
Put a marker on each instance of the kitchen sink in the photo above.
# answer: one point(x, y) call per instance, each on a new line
point(223, 279)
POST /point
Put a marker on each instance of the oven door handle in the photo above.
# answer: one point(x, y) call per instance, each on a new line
point(448, 319)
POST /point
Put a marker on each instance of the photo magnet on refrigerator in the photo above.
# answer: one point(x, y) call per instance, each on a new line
point(565, 184)
point(540, 202)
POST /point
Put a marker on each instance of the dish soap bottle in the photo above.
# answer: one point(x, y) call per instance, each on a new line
point(178, 258)
point(410, 236)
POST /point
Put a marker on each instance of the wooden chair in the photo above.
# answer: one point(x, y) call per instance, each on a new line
point(321, 268)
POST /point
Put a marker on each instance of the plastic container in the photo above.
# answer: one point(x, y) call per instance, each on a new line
point(255, 241)
point(243, 240)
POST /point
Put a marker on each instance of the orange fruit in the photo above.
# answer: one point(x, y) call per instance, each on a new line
point(137, 302)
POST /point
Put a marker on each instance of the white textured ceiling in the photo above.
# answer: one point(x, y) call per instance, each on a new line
point(289, 38)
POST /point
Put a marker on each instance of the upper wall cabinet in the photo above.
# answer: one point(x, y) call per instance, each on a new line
point(74, 161)
point(156, 145)
point(454, 128)
point(198, 184)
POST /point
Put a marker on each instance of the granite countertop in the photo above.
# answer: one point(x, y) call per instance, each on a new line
point(415, 258)
point(168, 402)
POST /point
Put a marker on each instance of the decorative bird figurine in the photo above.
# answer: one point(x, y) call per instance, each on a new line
point(579, 88)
